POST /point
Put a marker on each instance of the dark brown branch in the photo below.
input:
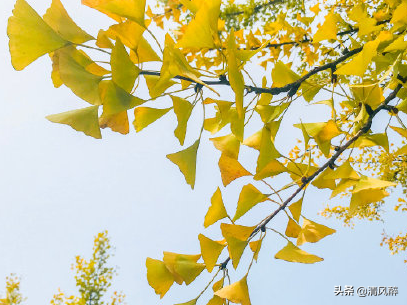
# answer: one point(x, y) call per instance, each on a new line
point(366, 127)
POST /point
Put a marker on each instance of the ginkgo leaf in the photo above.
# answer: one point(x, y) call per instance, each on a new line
point(345, 171)
point(103, 41)
point(58, 19)
point(186, 161)
point(210, 250)
point(370, 94)
point(292, 253)
point(236, 237)
point(371, 183)
point(248, 198)
point(124, 72)
point(30, 36)
point(118, 122)
point(132, 9)
point(83, 83)
point(254, 141)
point(229, 145)
point(343, 186)
point(270, 113)
point(188, 269)
point(85, 120)
point(192, 302)
point(144, 116)
point(158, 276)
point(152, 80)
point(216, 301)
point(400, 131)
point(237, 292)
point(312, 232)
point(144, 52)
point(365, 197)
point(170, 260)
point(323, 182)
point(379, 139)
point(292, 229)
point(231, 169)
point(206, 24)
point(358, 65)
point(283, 75)
point(217, 209)
point(183, 110)
point(115, 99)
point(328, 29)
point(273, 168)
point(255, 246)
point(235, 75)
point(218, 285)
point(295, 209)
point(268, 151)
point(130, 33)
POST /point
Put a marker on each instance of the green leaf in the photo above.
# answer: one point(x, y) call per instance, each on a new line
point(30, 36)
point(85, 120)
point(186, 161)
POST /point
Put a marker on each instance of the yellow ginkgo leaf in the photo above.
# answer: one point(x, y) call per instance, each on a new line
point(216, 301)
point(75, 76)
point(345, 171)
point(328, 29)
point(235, 75)
point(397, 44)
point(192, 302)
point(295, 209)
point(186, 161)
point(323, 182)
point(30, 36)
point(103, 41)
point(366, 183)
point(115, 99)
point(85, 120)
point(270, 113)
point(370, 94)
point(343, 186)
point(312, 232)
point(124, 72)
point(283, 75)
point(229, 145)
point(132, 9)
point(58, 19)
point(370, 140)
point(293, 228)
point(255, 246)
point(144, 52)
point(170, 260)
point(210, 250)
point(217, 209)
point(118, 122)
point(273, 168)
point(358, 65)
point(292, 253)
point(254, 141)
point(94, 68)
point(206, 24)
point(158, 276)
point(248, 198)
point(236, 237)
point(400, 131)
point(183, 110)
point(218, 285)
point(188, 269)
point(152, 80)
point(268, 151)
point(231, 169)
point(365, 197)
point(130, 33)
point(237, 292)
point(144, 116)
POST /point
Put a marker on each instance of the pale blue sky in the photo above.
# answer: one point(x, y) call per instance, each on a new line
point(59, 188)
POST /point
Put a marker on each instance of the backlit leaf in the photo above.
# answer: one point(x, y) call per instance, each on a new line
point(295, 209)
point(237, 292)
point(144, 116)
point(248, 198)
point(312, 232)
point(366, 183)
point(170, 260)
point(186, 161)
point(158, 276)
point(118, 122)
point(217, 209)
point(292, 253)
point(229, 145)
point(231, 169)
point(183, 110)
point(293, 229)
point(210, 250)
point(365, 197)
point(328, 29)
point(283, 75)
point(30, 36)
point(188, 269)
point(85, 120)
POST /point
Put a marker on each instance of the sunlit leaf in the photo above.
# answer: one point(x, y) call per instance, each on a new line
point(118, 122)
point(295, 209)
point(283, 75)
point(365, 197)
point(187, 268)
point(170, 260)
point(293, 229)
point(292, 253)
point(312, 232)
point(210, 250)
point(217, 209)
point(328, 29)
point(186, 161)
point(237, 292)
point(248, 198)
point(229, 145)
point(158, 276)
point(371, 183)
point(231, 169)
point(85, 120)
point(30, 36)
point(144, 116)
point(183, 110)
